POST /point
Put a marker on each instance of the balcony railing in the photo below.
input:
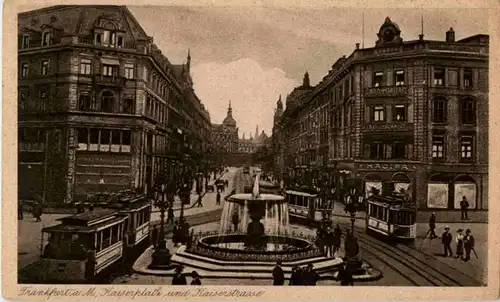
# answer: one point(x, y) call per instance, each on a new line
point(110, 80)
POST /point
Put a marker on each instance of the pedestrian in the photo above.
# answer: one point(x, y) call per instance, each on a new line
point(20, 209)
point(310, 276)
point(179, 278)
point(199, 201)
point(295, 277)
point(446, 240)
point(464, 206)
point(175, 233)
point(196, 278)
point(217, 199)
point(345, 275)
point(469, 243)
point(226, 182)
point(337, 239)
point(432, 226)
point(278, 274)
point(329, 239)
point(320, 239)
point(170, 215)
point(37, 211)
point(460, 244)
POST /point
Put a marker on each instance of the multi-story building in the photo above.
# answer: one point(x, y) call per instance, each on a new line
point(100, 107)
point(403, 115)
point(225, 135)
point(252, 144)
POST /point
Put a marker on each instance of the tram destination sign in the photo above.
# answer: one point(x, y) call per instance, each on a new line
point(386, 167)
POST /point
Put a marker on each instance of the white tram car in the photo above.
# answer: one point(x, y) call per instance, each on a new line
point(306, 205)
point(391, 217)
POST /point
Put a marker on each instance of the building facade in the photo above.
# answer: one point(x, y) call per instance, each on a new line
point(406, 116)
point(100, 107)
point(254, 143)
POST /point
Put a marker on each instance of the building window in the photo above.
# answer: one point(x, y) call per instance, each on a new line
point(400, 113)
point(466, 144)
point(398, 150)
point(376, 150)
point(439, 111)
point(46, 38)
point(120, 41)
point(84, 101)
point(24, 70)
point(438, 76)
point(468, 111)
point(23, 101)
point(129, 71)
point(128, 106)
point(108, 70)
point(378, 114)
point(106, 38)
point(86, 66)
point(25, 42)
point(400, 77)
point(42, 93)
point(467, 78)
point(45, 67)
point(437, 147)
point(378, 78)
point(107, 101)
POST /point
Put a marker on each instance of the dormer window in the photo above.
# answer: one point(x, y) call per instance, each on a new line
point(25, 43)
point(120, 41)
point(46, 38)
point(108, 38)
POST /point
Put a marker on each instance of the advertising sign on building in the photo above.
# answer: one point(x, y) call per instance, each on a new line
point(437, 196)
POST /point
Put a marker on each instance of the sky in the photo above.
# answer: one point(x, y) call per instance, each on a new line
point(250, 55)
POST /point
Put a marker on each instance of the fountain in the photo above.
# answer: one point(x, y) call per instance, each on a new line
point(253, 235)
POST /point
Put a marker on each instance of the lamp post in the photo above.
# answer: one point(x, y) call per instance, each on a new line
point(161, 255)
point(353, 199)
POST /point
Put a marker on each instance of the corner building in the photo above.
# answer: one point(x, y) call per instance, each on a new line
point(100, 107)
point(409, 115)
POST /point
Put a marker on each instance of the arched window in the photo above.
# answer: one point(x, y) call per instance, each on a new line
point(107, 101)
point(468, 111)
point(439, 110)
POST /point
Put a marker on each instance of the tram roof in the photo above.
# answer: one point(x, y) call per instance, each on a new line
point(89, 218)
point(71, 228)
point(299, 193)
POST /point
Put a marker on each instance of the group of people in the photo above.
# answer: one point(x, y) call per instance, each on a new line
point(36, 210)
point(463, 243)
point(300, 275)
point(329, 240)
point(180, 232)
point(180, 278)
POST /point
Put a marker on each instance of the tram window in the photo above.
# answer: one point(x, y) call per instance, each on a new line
point(114, 234)
point(106, 238)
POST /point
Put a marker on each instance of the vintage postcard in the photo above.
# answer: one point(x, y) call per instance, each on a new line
point(250, 150)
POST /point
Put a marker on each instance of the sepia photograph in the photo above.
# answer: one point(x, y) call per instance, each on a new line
point(251, 146)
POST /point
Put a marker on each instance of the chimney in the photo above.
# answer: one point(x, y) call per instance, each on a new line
point(421, 37)
point(450, 35)
point(357, 45)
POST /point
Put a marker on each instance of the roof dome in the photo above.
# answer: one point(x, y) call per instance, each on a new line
point(229, 120)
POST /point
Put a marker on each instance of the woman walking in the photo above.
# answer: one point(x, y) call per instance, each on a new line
point(460, 244)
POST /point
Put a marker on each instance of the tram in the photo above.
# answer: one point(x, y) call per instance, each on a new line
point(391, 216)
point(307, 204)
point(83, 246)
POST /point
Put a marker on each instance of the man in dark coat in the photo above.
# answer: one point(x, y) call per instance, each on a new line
point(179, 278)
point(217, 200)
point(469, 243)
point(278, 274)
point(20, 210)
point(337, 239)
point(175, 232)
point(310, 277)
point(345, 275)
point(199, 201)
point(432, 226)
point(446, 240)
point(464, 205)
point(329, 239)
point(296, 276)
point(170, 215)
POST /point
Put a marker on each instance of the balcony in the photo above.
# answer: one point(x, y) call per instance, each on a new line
point(110, 80)
point(386, 91)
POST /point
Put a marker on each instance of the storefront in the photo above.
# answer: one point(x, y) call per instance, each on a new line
point(446, 190)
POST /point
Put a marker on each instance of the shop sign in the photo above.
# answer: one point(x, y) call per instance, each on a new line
point(386, 167)
point(390, 91)
point(389, 126)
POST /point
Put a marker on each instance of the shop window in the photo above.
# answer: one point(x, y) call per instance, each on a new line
point(126, 141)
point(439, 111)
point(105, 140)
point(399, 113)
point(468, 78)
point(44, 68)
point(378, 113)
point(85, 66)
point(468, 111)
point(437, 147)
point(400, 78)
point(466, 148)
point(378, 78)
point(438, 76)
point(94, 140)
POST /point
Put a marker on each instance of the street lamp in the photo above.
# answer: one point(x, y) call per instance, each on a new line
point(352, 200)
point(161, 255)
